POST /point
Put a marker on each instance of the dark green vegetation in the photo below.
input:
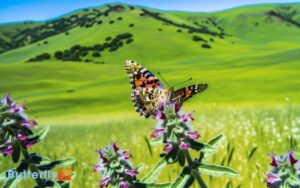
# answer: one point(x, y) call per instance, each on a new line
point(249, 56)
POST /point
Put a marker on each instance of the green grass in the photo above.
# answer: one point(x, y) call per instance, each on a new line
point(268, 129)
point(253, 95)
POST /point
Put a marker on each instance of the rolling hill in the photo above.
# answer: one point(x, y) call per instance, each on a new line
point(247, 55)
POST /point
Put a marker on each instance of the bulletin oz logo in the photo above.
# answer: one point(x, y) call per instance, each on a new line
point(60, 175)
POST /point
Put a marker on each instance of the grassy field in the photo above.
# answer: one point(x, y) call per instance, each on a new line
point(253, 96)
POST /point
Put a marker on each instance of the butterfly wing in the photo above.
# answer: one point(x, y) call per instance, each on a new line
point(147, 89)
point(183, 94)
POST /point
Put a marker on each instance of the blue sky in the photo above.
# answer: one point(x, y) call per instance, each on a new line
point(19, 10)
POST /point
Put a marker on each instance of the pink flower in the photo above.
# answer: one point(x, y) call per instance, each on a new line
point(291, 157)
point(184, 145)
point(7, 149)
point(168, 147)
point(158, 132)
point(7, 100)
point(102, 157)
point(132, 173)
point(271, 179)
point(124, 184)
point(192, 135)
point(125, 155)
point(30, 123)
point(24, 141)
point(162, 108)
point(158, 115)
point(21, 137)
point(98, 167)
point(115, 147)
point(14, 108)
point(105, 182)
point(274, 160)
point(185, 118)
point(28, 144)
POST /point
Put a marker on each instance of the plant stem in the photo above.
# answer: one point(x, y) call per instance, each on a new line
point(194, 172)
point(188, 157)
point(32, 167)
point(197, 176)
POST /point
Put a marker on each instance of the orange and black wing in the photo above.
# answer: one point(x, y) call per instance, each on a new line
point(183, 94)
point(146, 88)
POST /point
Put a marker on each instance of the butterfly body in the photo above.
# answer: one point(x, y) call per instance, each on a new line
point(149, 93)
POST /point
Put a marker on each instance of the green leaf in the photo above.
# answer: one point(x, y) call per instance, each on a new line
point(196, 175)
point(198, 146)
point(252, 152)
point(230, 156)
point(148, 145)
point(57, 164)
point(293, 181)
point(45, 160)
point(16, 149)
point(11, 183)
point(215, 170)
point(140, 167)
point(1, 155)
point(43, 133)
point(158, 140)
point(180, 181)
point(65, 162)
point(153, 174)
point(181, 158)
point(216, 140)
point(3, 176)
point(156, 185)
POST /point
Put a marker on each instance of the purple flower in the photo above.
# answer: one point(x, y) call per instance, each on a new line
point(158, 115)
point(185, 118)
point(192, 135)
point(7, 100)
point(24, 141)
point(98, 167)
point(274, 161)
point(124, 184)
point(162, 108)
point(271, 179)
point(177, 107)
point(115, 147)
point(7, 149)
point(105, 182)
point(158, 132)
point(125, 155)
point(21, 137)
point(28, 144)
point(132, 173)
point(291, 157)
point(14, 108)
point(102, 157)
point(168, 147)
point(30, 123)
point(184, 145)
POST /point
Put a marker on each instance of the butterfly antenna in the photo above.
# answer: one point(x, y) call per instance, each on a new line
point(183, 82)
point(163, 78)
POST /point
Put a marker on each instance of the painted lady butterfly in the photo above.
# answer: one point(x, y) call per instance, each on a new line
point(149, 93)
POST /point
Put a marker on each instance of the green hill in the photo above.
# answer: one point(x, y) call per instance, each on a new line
point(245, 54)
point(71, 72)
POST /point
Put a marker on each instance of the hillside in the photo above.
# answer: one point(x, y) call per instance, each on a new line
point(245, 54)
